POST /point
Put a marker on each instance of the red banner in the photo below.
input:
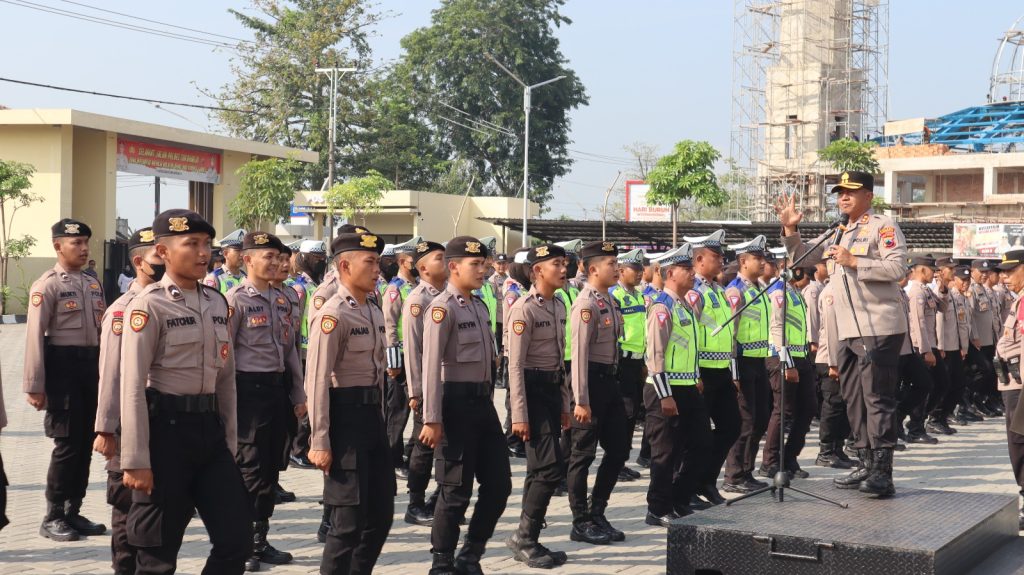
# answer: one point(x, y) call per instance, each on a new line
point(149, 159)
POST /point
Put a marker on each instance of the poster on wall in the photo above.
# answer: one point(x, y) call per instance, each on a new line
point(637, 208)
point(986, 240)
point(148, 159)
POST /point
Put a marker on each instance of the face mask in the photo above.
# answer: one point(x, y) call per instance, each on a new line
point(158, 271)
point(390, 271)
point(318, 270)
point(415, 273)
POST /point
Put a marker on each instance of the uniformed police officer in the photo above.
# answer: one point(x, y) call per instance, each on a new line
point(262, 331)
point(428, 260)
point(61, 375)
point(632, 343)
point(516, 285)
point(867, 262)
point(397, 400)
point(540, 398)
point(677, 419)
point(488, 293)
point(231, 273)
point(983, 338)
point(1008, 351)
point(459, 420)
point(751, 330)
point(148, 269)
point(344, 388)
point(497, 280)
point(178, 409)
point(955, 339)
point(599, 415)
point(929, 385)
point(834, 427)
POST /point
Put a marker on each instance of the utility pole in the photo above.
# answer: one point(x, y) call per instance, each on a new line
point(527, 93)
point(332, 73)
point(156, 196)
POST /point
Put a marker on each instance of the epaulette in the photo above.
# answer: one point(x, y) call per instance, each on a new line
point(665, 299)
point(218, 272)
point(514, 288)
point(216, 291)
point(397, 282)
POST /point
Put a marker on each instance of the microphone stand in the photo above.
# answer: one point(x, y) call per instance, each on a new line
point(781, 481)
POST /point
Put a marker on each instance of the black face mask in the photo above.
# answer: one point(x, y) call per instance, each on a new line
point(318, 270)
point(415, 273)
point(158, 271)
point(390, 271)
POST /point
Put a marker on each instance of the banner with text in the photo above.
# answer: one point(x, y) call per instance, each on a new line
point(986, 240)
point(637, 209)
point(162, 160)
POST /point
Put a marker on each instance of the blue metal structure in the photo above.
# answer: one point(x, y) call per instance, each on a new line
point(997, 127)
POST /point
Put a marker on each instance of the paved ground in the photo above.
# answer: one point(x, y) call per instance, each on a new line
point(974, 460)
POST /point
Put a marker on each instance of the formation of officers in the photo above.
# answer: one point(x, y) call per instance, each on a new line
point(199, 388)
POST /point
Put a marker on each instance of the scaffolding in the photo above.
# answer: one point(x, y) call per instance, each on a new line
point(1007, 81)
point(805, 73)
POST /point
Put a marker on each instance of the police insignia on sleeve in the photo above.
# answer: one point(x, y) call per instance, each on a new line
point(415, 309)
point(138, 320)
point(662, 317)
point(328, 323)
point(117, 323)
point(585, 315)
point(518, 327)
point(37, 299)
point(887, 236)
point(224, 351)
point(438, 314)
point(692, 297)
point(318, 302)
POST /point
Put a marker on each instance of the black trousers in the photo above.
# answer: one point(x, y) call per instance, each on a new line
point(545, 465)
point(473, 447)
point(300, 444)
point(981, 372)
point(72, 379)
point(119, 498)
point(755, 409)
point(957, 376)
point(359, 488)
point(512, 440)
point(801, 401)
point(834, 427)
point(192, 467)
point(263, 408)
point(917, 390)
point(868, 381)
point(1014, 441)
point(4, 521)
point(397, 417)
point(680, 446)
point(565, 441)
point(631, 386)
point(421, 460)
point(608, 427)
point(720, 397)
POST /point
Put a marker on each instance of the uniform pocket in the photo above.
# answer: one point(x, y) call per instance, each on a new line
point(181, 348)
point(343, 482)
point(448, 465)
point(69, 314)
point(145, 521)
point(57, 423)
point(470, 347)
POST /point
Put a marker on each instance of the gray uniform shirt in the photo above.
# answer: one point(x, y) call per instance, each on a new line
point(417, 303)
point(536, 340)
point(596, 325)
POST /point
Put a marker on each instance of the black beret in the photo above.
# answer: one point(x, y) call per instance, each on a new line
point(68, 228)
point(465, 247)
point(357, 242)
point(141, 237)
point(424, 248)
point(853, 180)
point(179, 222)
point(1011, 259)
point(544, 252)
point(926, 261)
point(983, 265)
point(595, 249)
point(352, 229)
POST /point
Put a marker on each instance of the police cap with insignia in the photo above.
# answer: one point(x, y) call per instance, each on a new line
point(633, 258)
point(142, 237)
point(69, 228)
point(357, 242)
point(315, 247)
point(598, 249)
point(925, 260)
point(854, 180)
point(352, 229)
point(755, 246)
point(538, 254)
point(1011, 260)
point(681, 256)
point(489, 242)
point(946, 262)
point(712, 242)
point(983, 265)
point(501, 258)
point(423, 248)
point(179, 222)
point(465, 247)
point(260, 241)
point(962, 272)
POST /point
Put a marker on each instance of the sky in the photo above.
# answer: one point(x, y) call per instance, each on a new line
point(657, 71)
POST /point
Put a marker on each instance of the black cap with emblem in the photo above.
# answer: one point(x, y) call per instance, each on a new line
point(423, 248)
point(357, 242)
point(544, 252)
point(352, 229)
point(1011, 260)
point(501, 258)
point(983, 265)
point(260, 241)
point(962, 272)
point(854, 180)
point(179, 222)
point(141, 238)
point(465, 247)
point(946, 262)
point(69, 228)
point(597, 249)
point(926, 261)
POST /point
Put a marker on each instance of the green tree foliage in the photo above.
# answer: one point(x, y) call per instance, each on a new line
point(687, 173)
point(267, 188)
point(846, 154)
point(447, 63)
point(15, 182)
point(357, 196)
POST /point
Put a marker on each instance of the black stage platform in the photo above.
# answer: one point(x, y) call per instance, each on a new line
point(917, 532)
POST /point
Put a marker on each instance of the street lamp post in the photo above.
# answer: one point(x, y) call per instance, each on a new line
point(332, 73)
point(527, 92)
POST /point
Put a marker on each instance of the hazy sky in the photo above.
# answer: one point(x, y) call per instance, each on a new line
point(657, 71)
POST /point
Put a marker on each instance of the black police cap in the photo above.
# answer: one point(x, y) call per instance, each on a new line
point(1011, 260)
point(501, 258)
point(544, 252)
point(264, 241)
point(69, 228)
point(596, 249)
point(179, 222)
point(142, 237)
point(854, 180)
point(983, 265)
point(424, 248)
point(357, 242)
point(926, 261)
point(352, 229)
point(465, 247)
point(946, 262)
point(963, 272)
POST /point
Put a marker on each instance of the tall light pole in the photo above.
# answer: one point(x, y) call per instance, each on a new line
point(332, 73)
point(527, 91)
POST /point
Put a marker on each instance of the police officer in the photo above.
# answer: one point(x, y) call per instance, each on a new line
point(61, 375)
point(262, 332)
point(296, 301)
point(928, 385)
point(515, 286)
point(329, 286)
point(488, 293)
point(148, 269)
point(956, 336)
point(540, 398)
point(397, 400)
point(497, 280)
point(230, 274)
point(459, 420)
point(178, 409)
point(716, 355)
point(599, 415)
point(867, 262)
point(982, 348)
point(677, 419)
point(1008, 351)
point(428, 260)
point(632, 343)
point(751, 330)
point(834, 427)
point(344, 387)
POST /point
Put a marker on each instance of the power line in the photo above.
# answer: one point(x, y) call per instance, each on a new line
point(97, 8)
point(133, 98)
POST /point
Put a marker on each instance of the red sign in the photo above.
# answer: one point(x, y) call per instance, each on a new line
point(149, 159)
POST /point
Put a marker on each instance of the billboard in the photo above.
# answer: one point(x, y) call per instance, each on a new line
point(637, 209)
point(147, 159)
point(986, 240)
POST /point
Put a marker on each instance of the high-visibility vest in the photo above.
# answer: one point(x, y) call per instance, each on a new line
point(309, 286)
point(681, 352)
point(486, 293)
point(634, 317)
point(796, 324)
point(752, 331)
point(567, 296)
point(404, 289)
point(715, 351)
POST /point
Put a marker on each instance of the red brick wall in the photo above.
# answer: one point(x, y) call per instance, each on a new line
point(960, 187)
point(1009, 183)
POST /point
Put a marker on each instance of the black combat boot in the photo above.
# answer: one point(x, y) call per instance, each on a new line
point(417, 513)
point(853, 480)
point(585, 530)
point(468, 560)
point(442, 564)
point(879, 481)
point(55, 526)
point(79, 523)
point(265, 551)
point(325, 524)
point(828, 456)
point(597, 514)
point(526, 549)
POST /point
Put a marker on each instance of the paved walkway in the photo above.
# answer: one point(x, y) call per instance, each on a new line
point(974, 460)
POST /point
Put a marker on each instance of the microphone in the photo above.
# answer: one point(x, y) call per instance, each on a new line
point(841, 224)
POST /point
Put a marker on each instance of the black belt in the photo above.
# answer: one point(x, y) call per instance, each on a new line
point(467, 389)
point(543, 376)
point(73, 351)
point(169, 403)
point(260, 379)
point(355, 395)
point(603, 368)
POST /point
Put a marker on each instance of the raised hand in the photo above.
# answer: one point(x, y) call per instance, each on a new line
point(789, 215)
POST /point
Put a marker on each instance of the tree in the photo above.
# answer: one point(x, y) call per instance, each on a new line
point(357, 196)
point(15, 181)
point(267, 190)
point(846, 155)
point(447, 63)
point(688, 172)
point(645, 155)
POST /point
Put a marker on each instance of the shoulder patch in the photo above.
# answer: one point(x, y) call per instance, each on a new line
point(692, 297)
point(37, 298)
point(777, 298)
point(662, 317)
point(734, 300)
point(585, 315)
point(510, 299)
point(518, 327)
point(117, 325)
point(138, 320)
point(438, 314)
point(318, 302)
point(328, 323)
point(415, 309)
point(392, 294)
